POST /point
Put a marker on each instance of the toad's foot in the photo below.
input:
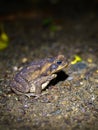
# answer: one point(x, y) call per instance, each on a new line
point(32, 95)
point(35, 95)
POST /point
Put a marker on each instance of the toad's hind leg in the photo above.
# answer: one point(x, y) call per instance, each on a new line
point(19, 85)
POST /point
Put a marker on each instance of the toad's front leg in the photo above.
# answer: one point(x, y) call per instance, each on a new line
point(39, 84)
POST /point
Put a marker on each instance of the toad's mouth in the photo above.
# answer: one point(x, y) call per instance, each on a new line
point(59, 68)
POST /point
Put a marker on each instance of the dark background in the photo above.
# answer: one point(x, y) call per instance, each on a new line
point(64, 6)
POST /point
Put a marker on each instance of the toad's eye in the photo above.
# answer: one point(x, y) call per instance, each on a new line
point(59, 62)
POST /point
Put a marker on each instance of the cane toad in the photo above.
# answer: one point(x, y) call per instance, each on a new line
point(33, 78)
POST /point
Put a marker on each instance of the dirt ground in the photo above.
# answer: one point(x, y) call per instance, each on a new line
point(70, 102)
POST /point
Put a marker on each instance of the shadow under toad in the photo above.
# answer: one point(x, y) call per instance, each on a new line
point(61, 76)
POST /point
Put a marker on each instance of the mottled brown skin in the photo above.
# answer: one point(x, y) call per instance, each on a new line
point(37, 75)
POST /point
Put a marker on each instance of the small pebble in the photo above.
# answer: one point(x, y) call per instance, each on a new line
point(79, 66)
point(70, 78)
point(24, 60)
point(15, 68)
